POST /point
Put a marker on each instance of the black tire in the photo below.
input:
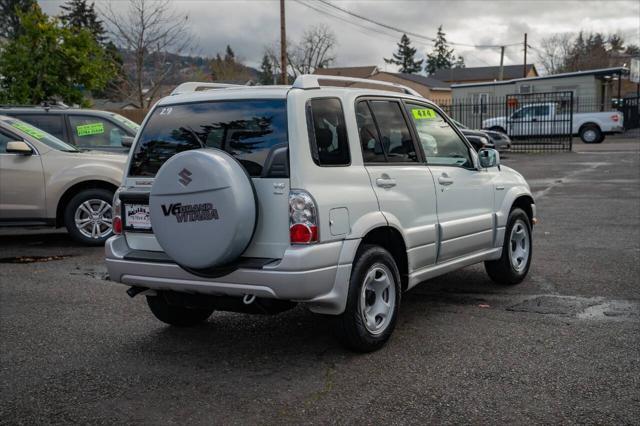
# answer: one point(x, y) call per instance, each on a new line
point(176, 315)
point(92, 196)
point(591, 133)
point(502, 271)
point(350, 327)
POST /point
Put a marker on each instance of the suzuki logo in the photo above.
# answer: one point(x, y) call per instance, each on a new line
point(185, 177)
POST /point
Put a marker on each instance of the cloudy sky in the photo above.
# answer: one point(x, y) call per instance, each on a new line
point(248, 26)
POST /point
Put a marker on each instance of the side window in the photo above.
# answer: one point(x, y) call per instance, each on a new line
point(369, 141)
point(91, 132)
point(395, 137)
point(327, 132)
point(4, 139)
point(541, 111)
point(52, 124)
point(441, 144)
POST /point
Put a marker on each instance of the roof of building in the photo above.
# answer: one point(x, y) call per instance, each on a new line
point(358, 72)
point(482, 73)
point(431, 82)
point(596, 72)
point(371, 71)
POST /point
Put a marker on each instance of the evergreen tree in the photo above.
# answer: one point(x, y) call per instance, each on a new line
point(266, 71)
point(229, 55)
point(404, 57)
point(81, 15)
point(9, 19)
point(459, 63)
point(441, 57)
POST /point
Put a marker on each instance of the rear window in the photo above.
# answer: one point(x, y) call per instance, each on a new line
point(249, 130)
point(51, 124)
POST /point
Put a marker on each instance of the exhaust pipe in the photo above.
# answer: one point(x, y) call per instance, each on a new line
point(135, 290)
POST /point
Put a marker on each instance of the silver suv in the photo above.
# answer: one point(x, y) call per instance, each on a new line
point(255, 199)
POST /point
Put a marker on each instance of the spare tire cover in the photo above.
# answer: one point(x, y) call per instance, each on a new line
point(203, 208)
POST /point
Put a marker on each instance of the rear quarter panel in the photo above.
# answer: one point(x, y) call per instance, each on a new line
point(338, 187)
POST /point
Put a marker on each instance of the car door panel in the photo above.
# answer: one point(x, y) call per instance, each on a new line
point(403, 185)
point(410, 207)
point(465, 196)
point(22, 193)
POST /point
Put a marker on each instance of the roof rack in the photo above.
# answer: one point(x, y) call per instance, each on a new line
point(311, 81)
point(195, 86)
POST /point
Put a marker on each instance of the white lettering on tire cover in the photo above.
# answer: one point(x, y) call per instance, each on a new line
point(210, 221)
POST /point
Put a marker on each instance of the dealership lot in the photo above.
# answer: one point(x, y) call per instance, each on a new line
point(564, 346)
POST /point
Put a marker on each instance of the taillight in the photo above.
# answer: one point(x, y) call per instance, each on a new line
point(116, 213)
point(303, 218)
point(117, 225)
point(615, 118)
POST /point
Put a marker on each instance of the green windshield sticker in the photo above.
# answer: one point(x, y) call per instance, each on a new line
point(423, 114)
point(90, 129)
point(28, 129)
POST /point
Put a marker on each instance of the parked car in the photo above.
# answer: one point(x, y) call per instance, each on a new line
point(253, 199)
point(86, 129)
point(497, 140)
point(45, 181)
point(545, 119)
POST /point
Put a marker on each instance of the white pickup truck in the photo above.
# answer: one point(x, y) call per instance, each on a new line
point(543, 119)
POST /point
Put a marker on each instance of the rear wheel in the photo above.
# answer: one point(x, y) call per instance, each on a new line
point(88, 216)
point(514, 264)
point(177, 315)
point(372, 303)
point(591, 133)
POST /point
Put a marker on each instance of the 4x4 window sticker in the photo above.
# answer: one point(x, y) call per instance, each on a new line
point(408, 104)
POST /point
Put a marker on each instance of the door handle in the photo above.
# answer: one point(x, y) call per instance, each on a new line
point(386, 182)
point(445, 180)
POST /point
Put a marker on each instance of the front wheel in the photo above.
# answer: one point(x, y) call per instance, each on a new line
point(372, 303)
point(88, 216)
point(514, 264)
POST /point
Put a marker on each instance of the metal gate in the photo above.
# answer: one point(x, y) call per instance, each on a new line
point(540, 122)
point(631, 112)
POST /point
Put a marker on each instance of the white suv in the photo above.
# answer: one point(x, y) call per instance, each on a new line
point(253, 199)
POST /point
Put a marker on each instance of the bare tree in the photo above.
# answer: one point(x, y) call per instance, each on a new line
point(554, 51)
point(147, 31)
point(313, 51)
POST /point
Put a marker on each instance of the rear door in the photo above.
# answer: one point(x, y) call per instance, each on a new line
point(464, 194)
point(22, 192)
point(403, 185)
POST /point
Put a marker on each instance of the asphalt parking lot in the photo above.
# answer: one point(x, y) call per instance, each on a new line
point(562, 347)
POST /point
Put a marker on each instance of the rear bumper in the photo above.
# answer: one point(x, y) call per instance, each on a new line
point(317, 275)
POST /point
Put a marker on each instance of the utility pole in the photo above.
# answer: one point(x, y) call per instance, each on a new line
point(524, 70)
point(501, 63)
point(283, 46)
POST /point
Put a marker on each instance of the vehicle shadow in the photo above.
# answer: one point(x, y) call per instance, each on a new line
point(298, 336)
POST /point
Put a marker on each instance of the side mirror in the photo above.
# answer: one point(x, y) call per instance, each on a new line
point(127, 141)
point(19, 147)
point(489, 157)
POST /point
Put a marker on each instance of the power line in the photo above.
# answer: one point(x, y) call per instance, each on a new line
point(411, 33)
point(343, 19)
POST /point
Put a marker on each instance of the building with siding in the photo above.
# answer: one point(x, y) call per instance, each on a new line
point(595, 86)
